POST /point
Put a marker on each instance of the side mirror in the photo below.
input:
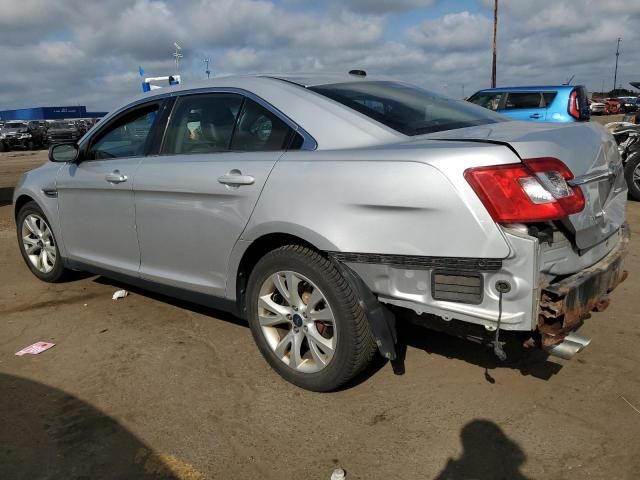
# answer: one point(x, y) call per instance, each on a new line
point(64, 152)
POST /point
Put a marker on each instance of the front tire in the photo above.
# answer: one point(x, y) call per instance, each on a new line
point(38, 245)
point(306, 320)
point(632, 175)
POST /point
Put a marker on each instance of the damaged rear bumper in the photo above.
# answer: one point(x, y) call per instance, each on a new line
point(565, 304)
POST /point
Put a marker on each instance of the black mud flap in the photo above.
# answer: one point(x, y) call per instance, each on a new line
point(381, 320)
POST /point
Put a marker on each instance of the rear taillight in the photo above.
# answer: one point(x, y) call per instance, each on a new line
point(574, 105)
point(533, 191)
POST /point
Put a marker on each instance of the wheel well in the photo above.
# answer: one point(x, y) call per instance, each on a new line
point(20, 202)
point(258, 249)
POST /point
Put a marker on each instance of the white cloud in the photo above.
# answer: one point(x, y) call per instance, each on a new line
point(383, 6)
point(454, 31)
point(88, 51)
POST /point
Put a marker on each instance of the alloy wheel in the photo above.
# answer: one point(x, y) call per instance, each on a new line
point(38, 243)
point(297, 321)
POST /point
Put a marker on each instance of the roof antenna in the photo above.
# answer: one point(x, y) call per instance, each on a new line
point(358, 73)
point(568, 82)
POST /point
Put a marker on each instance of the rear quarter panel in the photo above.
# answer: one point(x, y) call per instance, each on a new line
point(408, 200)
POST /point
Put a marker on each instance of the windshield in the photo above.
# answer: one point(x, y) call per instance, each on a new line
point(15, 125)
point(59, 125)
point(407, 109)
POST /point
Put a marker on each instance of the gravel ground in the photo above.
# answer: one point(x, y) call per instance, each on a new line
point(149, 387)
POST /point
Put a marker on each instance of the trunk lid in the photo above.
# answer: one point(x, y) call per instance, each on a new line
point(586, 148)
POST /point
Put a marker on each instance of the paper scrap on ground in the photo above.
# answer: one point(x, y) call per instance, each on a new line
point(35, 349)
point(120, 294)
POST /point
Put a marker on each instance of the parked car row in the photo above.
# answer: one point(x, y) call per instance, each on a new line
point(614, 106)
point(560, 103)
point(35, 134)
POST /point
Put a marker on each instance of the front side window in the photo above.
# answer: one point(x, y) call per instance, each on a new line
point(202, 123)
point(548, 97)
point(487, 100)
point(127, 137)
point(407, 109)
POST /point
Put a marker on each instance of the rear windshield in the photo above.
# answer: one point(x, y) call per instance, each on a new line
point(15, 125)
point(409, 110)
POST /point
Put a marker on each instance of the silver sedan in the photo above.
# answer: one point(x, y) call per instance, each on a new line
point(325, 209)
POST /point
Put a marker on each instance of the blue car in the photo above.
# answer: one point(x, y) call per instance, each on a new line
point(562, 103)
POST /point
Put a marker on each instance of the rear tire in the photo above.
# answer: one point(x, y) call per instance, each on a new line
point(632, 175)
point(278, 315)
point(38, 245)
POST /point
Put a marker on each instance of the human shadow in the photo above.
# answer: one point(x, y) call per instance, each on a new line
point(47, 433)
point(532, 362)
point(488, 454)
point(6, 196)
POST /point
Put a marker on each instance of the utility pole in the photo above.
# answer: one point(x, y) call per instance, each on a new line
point(206, 62)
point(495, 35)
point(615, 73)
point(177, 55)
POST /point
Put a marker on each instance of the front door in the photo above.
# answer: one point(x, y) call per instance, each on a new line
point(194, 200)
point(95, 196)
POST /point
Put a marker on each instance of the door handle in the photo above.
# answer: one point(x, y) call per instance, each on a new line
point(535, 115)
point(116, 177)
point(236, 179)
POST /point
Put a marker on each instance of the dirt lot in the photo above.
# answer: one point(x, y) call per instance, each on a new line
point(148, 387)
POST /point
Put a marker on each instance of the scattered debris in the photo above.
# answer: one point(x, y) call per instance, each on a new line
point(120, 294)
point(630, 404)
point(35, 349)
point(338, 474)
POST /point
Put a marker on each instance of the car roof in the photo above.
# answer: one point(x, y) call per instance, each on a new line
point(534, 88)
point(250, 80)
point(316, 79)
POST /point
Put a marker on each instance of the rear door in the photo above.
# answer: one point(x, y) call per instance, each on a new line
point(527, 106)
point(194, 199)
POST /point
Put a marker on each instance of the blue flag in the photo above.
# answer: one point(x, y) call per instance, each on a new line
point(141, 71)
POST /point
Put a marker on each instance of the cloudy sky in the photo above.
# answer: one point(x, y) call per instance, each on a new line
point(71, 52)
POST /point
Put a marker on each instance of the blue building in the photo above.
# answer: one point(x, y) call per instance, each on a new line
point(49, 113)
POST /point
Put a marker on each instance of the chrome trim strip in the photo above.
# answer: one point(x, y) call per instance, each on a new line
point(420, 263)
point(593, 177)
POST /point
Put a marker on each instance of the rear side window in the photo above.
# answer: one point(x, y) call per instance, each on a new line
point(259, 129)
point(522, 100)
point(407, 109)
point(487, 100)
point(548, 98)
point(202, 123)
